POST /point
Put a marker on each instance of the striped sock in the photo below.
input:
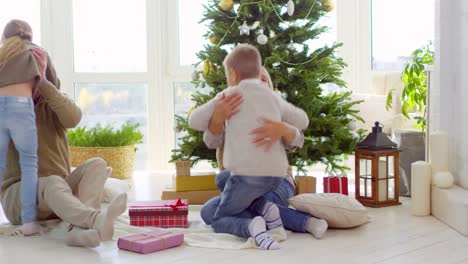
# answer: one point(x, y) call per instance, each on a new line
point(270, 213)
point(257, 229)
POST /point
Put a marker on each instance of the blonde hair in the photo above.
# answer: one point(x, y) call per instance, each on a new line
point(265, 77)
point(14, 38)
point(246, 59)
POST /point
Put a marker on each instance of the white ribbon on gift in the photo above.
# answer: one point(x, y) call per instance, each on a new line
point(333, 175)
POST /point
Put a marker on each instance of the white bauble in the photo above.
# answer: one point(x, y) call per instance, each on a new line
point(352, 126)
point(244, 29)
point(443, 180)
point(290, 7)
point(262, 39)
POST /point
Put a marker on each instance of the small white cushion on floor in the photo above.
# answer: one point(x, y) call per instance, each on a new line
point(340, 211)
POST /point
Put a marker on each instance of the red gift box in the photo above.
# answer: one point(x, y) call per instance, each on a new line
point(335, 184)
point(150, 242)
point(163, 213)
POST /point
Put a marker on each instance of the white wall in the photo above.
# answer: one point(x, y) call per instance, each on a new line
point(451, 77)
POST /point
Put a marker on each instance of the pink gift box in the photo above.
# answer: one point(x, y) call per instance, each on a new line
point(150, 242)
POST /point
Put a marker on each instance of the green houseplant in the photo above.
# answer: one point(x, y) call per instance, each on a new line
point(116, 146)
point(414, 93)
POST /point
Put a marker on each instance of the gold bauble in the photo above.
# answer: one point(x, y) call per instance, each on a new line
point(214, 40)
point(206, 68)
point(328, 5)
point(226, 5)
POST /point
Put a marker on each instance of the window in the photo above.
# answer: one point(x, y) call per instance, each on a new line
point(115, 104)
point(17, 10)
point(110, 77)
point(329, 37)
point(191, 32)
point(109, 35)
point(398, 28)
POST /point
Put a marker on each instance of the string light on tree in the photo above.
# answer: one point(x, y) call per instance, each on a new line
point(290, 7)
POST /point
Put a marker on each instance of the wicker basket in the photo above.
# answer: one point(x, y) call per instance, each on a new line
point(121, 159)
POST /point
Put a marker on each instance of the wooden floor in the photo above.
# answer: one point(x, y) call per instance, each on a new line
point(393, 236)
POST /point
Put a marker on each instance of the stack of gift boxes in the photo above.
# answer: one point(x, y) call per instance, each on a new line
point(197, 188)
point(169, 212)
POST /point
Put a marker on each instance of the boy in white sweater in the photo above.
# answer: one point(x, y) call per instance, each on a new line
point(254, 171)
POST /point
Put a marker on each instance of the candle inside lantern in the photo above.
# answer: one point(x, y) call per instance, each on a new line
point(383, 187)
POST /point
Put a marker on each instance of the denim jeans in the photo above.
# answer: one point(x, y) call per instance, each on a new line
point(18, 124)
point(242, 192)
point(238, 225)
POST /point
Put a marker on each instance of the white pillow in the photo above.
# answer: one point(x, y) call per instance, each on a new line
point(340, 211)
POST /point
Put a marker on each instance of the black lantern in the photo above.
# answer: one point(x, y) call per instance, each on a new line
point(376, 169)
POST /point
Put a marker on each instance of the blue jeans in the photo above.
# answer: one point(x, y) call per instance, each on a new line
point(18, 124)
point(238, 225)
point(242, 192)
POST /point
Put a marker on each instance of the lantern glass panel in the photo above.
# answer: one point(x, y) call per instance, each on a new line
point(383, 179)
point(365, 178)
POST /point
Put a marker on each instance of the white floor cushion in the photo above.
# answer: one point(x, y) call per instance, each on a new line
point(340, 211)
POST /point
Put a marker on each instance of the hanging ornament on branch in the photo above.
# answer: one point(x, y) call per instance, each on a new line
point(213, 40)
point(328, 5)
point(244, 29)
point(262, 39)
point(290, 7)
point(226, 5)
point(291, 46)
point(206, 68)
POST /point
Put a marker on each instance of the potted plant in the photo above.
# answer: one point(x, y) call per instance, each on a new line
point(413, 100)
point(414, 78)
point(115, 146)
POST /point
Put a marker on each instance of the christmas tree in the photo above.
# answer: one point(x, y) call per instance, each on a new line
point(280, 31)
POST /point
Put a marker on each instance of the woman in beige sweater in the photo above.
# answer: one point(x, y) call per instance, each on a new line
point(73, 197)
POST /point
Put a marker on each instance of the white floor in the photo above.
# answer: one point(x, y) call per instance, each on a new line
point(393, 236)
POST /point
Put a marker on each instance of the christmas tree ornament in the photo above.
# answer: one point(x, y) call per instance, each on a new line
point(244, 29)
point(213, 68)
point(290, 7)
point(352, 125)
point(195, 75)
point(291, 46)
point(272, 34)
point(262, 39)
point(328, 5)
point(255, 25)
point(226, 5)
point(206, 68)
point(213, 40)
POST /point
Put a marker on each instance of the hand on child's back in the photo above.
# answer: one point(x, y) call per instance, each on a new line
point(41, 60)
